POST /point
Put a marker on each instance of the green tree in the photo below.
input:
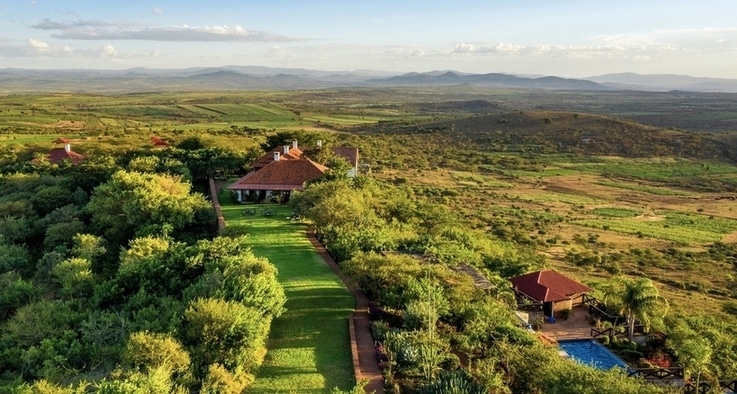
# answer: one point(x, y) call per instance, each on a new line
point(638, 300)
point(48, 198)
point(75, 276)
point(156, 266)
point(15, 230)
point(695, 354)
point(221, 381)
point(91, 172)
point(61, 235)
point(88, 246)
point(146, 351)
point(224, 332)
point(234, 273)
point(15, 258)
point(144, 164)
point(155, 381)
point(14, 293)
point(133, 203)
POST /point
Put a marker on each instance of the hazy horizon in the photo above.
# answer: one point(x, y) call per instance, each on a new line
point(569, 38)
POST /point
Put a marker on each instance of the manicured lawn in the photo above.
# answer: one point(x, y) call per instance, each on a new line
point(309, 345)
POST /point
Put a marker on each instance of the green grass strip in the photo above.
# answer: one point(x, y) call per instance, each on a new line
point(309, 345)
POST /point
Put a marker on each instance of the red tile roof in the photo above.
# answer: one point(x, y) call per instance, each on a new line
point(158, 142)
point(61, 141)
point(548, 286)
point(56, 155)
point(348, 153)
point(268, 157)
point(283, 175)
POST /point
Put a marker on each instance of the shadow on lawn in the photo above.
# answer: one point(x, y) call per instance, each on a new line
point(314, 329)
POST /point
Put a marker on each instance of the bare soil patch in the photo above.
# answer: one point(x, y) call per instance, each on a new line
point(67, 125)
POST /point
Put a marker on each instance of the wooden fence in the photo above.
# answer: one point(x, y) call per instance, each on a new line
point(658, 373)
point(727, 386)
point(596, 307)
point(614, 331)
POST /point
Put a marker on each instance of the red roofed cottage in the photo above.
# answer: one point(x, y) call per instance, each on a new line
point(284, 169)
point(554, 290)
point(279, 177)
point(57, 155)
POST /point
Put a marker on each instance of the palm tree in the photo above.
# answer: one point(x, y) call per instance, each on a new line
point(635, 299)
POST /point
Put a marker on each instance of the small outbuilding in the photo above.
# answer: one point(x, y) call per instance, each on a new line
point(552, 289)
point(57, 155)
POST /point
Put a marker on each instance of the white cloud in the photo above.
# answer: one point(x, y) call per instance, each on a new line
point(108, 51)
point(97, 30)
point(34, 48)
point(648, 45)
point(463, 48)
point(157, 10)
point(37, 44)
point(48, 24)
point(417, 53)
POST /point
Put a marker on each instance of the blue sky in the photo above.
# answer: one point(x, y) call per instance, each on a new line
point(569, 38)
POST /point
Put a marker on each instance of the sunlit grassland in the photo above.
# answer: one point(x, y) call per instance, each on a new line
point(309, 346)
point(26, 139)
point(679, 227)
point(662, 170)
point(615, 212)
point(523, 212)
point(657, 190)
point(665, 170)
point(466, 178)
point(545, 196)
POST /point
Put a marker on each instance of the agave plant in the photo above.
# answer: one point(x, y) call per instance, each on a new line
point(454, 382)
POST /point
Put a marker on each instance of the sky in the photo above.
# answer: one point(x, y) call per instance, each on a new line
point(567, 38)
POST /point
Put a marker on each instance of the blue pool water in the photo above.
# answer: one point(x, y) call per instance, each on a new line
point(591, 352)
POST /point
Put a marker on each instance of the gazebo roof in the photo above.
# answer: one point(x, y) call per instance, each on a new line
point(548, 285)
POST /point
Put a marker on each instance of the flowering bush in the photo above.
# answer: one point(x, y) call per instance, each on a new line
point(659, 360)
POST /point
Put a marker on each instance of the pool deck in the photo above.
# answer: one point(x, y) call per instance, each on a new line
point(576, 327)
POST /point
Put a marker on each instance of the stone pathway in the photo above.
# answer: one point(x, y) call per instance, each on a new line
point(366, 363)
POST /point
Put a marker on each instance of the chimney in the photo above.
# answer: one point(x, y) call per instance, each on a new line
point(276, 156)
point(319, 143)
point(294, 144)
point(67, 147)
point(286, 149)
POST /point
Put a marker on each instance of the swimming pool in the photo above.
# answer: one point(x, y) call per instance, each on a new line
point(591, 352)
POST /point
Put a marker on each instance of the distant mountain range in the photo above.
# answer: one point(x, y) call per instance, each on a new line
point(665, 82)
point(14, 80)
